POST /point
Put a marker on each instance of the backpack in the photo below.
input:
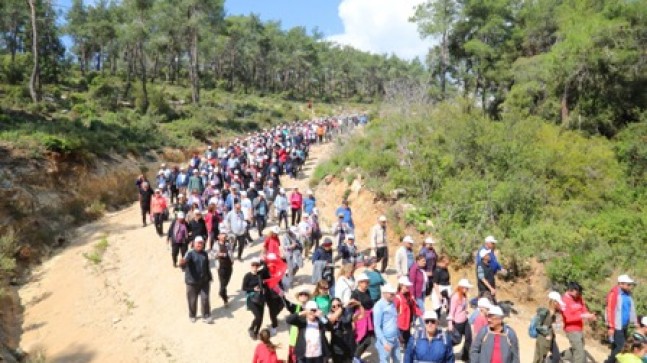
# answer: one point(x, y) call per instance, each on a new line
point(536, 322)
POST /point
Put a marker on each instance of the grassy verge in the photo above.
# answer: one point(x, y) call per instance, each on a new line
point(95, 257)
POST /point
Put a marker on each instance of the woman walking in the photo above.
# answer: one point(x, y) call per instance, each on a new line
point(321, 295)
point(225, 259)
point(255, 288)
point(265, 351)
point(457, 318)
point(364, 328)
point(342, 339)
point(345, 283)
point(303, 296)
point(178, 237)
point(407, 309)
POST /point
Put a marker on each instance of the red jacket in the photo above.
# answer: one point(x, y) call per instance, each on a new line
point(272, 245)
point(613, 312)
point(158, 204)
point(296, 200)
point(404, 311)
point(572, 313)
point(264, 355)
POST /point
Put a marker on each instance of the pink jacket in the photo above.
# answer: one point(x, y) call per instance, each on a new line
point(296, 200)
point(158, 204)
point(457, 309)
point(419, 280)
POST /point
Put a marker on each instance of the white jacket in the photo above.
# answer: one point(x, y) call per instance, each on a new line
point(343, 289)
point(401, 262)
point(378, 236)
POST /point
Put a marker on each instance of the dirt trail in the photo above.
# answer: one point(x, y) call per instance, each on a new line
point(132, 306)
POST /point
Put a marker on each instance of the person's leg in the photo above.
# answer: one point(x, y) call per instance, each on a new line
point(576, 339)
point(385, 259)
point(240, 240)
point(396, 353)
point(406, 335)
point(619, 337)
point(183, 248)
point(294, 215)
point(273, 307)
point(192, 298)
point(224, 275)
point(259, 311)
point(175, 250)
point(381, 352)
point(284, 216)
point(421, 305)
point(159, 223)
point(298, 214)
point(363, 345)
point(144, 216)
point(204, 300)
point(466, 331)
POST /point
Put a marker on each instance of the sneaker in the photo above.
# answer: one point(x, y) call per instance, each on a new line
point(272, 331)
point(193, 320)
point(226, 304)
point(207, 320)
point(251, 334)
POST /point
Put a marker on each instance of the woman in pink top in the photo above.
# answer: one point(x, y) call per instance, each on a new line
point(457, 318)
point(296, 203)
point(481, 319)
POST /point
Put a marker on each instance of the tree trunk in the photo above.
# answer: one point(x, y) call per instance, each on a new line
point(443, 66)
point(193, 70)
point(34, 80)
point(155, 67)
point(564, 104)
point(142, 64)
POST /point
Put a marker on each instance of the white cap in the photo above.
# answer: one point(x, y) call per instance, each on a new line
point(429, 315)
point(361, 277)
point(197, 211)
point(388, 289)
point(643, 321)
point(306, 215)
point(625, 279)
point(407, 239)
point(255, 261)
point(483, 252)
point(490, 239)
point(198, 239)
point(465, 283)
point(271, 256)
point(311, 305)
point(180, 215)
point(276, 229)
point(495, 310)
point(430, 241)
point(309, 192)
point(180, 195)
point(350, 236)
point(243, 193)
point(282, 191)
point(382, 219)
point(484, 303)
point(555, 296)
point(404, 281)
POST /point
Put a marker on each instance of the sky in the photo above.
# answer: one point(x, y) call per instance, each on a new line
point(377, 26)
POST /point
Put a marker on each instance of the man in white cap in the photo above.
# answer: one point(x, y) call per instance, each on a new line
point(429, 252)
point(348, 251)
point(340, 230)
point(225, 258)
point(261, 211)
point(430, 345)
point(490, 245)
point(545, 318)
point(178, 237)
point(404, 257)
point(619, 313)
point(197, 276)
point(379, 244)
point(236, 224)
point(497, 340)
point(281, 207)
point(385, 323)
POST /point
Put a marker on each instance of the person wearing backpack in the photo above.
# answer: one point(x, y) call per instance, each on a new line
point(541, 328)
point(497, 343)
point(430, 345)
point(178, 237)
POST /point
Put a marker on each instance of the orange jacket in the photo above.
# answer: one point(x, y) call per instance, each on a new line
point(158, 204)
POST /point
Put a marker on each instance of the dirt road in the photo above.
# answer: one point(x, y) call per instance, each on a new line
point(131, 306)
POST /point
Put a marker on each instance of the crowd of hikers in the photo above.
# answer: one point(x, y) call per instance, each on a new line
point(219, 199)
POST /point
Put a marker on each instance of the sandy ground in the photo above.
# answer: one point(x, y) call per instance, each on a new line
point(132, 306)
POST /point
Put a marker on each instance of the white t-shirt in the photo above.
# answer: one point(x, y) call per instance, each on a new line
point(313, 340)
point(246, 206)
point(343, 289)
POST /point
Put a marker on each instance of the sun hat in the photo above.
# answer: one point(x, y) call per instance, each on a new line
point(490, 239)
point(625, 279)
point(404, 281)
point(430, 315)
point(495, 310)
point(303, 290)
point(350, 236)
point(388, 289)
point(407, 239)
point(465, 283)
point(276, 229)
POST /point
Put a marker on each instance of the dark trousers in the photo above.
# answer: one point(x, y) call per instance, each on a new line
point(145, 212)
point(224, 275)
point(341, 359)
point(296, 216)
point(261, 223)
point(177, 249)
point(382, 254)
point(258, 311)
point(274, 306)
point(619, 339)
point(283, 216)
point(174, 193)
point(159, 223)
point(364, 344)
point(406, 335)
point(240, 242)
point(192, 292)
point(311, 360)
point(466, 330)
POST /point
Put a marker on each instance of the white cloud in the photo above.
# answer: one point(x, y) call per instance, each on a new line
point(381, 26)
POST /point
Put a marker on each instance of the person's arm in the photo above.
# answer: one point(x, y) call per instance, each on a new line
point(612, 300)
point(169, 233)
point(408, 352)
point(475, 351)
point(377, 323)
point(449, 353)
point(514, 342)
point(374, 239)
point(184, 260)
point(296, 320)
point(481, 276)
point(453, 309)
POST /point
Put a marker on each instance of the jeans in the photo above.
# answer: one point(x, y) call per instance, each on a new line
point(240, 241)
point(619, 338)
point(177, 248)
point(382, 254)
point(283, 216)
point(576, 353)
point(192, 292)
point(421, 305)
point(145, 212)
point(393, 355)
point(258, 311)
point(224, 276)
point(159, 223)
point(261, 223)
point(466, 330)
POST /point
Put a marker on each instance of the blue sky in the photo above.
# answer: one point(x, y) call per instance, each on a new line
point(377, 26)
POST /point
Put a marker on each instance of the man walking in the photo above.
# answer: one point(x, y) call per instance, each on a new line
point(385, 322)
point(178, 237)
point(379, 244)
point(158, 206)
point(237, 225)
point(197, 277)
point(619, 313)
point(225, 260)
point(574, 313)
point(497, 343)
point(145, 197)
point(404, 257)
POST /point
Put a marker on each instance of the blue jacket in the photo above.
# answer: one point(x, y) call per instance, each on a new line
point(494, 263)
point(348, 216)
point(438, 350)
point(309, 204)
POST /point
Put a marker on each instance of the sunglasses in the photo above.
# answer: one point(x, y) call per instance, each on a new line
point(431, 321)
point(313, 310)
point(336, 306)
point(304, 294)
